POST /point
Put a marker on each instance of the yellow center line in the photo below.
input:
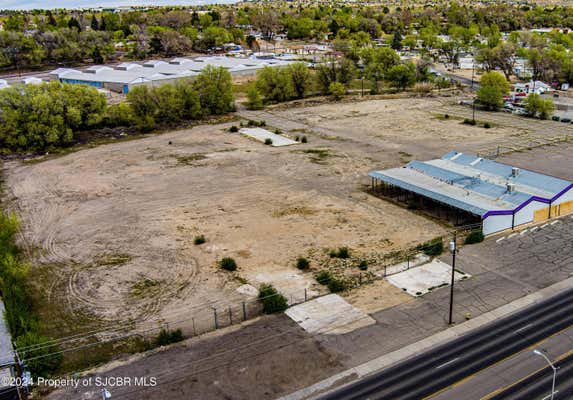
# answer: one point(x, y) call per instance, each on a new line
point(469, 377)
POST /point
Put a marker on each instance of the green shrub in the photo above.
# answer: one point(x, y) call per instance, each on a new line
point(297, 138)
point(304, 139)
point(254, 100)
point(474, 237)
point(432, 248)
point(272, 300)
point(199, 239)
point(234, 129)
point(487, 125)
point(446, 116)
point(323, 277)
point(302, 263)
point(337, 90)
point(363, 266)
point(227, 263)
point(468, 121)
point(336, 285)
point(342, 252)
point(47, 359)
point(268, 141)
point(166, 337)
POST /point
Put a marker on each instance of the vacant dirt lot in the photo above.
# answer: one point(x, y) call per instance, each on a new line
point(112, 227)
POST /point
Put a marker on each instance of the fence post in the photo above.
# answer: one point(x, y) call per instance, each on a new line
point(384, 271)
point(360, 279)
point(244, 311)
point(194, 331)
point(230, 316)
point(305, 296)
point(216, 322)
point(408, 266)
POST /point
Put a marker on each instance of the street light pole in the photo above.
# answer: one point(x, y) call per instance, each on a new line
point(453, 250)
point(553, 367)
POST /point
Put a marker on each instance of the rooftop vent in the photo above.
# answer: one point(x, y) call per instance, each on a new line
point(514, 171)
point(510, 188)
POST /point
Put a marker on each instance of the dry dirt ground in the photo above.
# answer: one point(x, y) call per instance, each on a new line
point(111, 228)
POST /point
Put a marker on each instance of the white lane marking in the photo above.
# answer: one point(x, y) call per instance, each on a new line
point(446, 363)
point(523, 328)
point(534, 228)
point(543, 226)
point(554, 222)
point(500, 239)
point(523, 232)
point(512, 235)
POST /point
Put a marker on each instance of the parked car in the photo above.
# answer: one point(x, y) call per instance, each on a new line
point(556, 118)
point(566, 120)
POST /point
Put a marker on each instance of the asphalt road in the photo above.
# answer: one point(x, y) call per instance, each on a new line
point(522, 376)
point(445, 365)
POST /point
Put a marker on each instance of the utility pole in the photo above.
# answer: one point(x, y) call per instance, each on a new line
point(453, 251)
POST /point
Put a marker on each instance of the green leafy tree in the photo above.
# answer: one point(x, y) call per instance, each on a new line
point(397, 41)
point(300, 78)
point(493, 86)
point(40, 117)
point(254, 100)
point(402, 75)
point(536, 106)
point(215, 88)
point(275, 84)
point(490, 97)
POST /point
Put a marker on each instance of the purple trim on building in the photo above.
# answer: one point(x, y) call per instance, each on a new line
point(522, 205)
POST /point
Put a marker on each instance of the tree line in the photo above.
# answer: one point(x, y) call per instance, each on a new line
point(379, 66)
point(32, 38)
point(37, 118)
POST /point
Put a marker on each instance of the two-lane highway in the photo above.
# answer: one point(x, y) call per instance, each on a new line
point(433, 371)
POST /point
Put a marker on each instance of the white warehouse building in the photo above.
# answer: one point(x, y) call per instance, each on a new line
point(468, 189)
point(124, 76)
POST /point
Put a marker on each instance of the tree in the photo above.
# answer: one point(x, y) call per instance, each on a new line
point(536, 106)
point(491, 97)
point(397, 41)
point(300, 78)
point(215, 88)
point(275, 84)
point(496, 80)
point(402, 75)
point(96, 56)
point(94, 24)
point(337, 90)
point(493, 86)
point(40, 117)
point(73, 23)
point(378, 62)
point(254, 101)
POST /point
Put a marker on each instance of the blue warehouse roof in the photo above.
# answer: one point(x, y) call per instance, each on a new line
point(474, 184)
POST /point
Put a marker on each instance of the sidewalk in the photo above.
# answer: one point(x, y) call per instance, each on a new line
point(394, 357)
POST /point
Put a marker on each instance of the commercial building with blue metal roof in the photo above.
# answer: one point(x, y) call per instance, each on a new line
point(466, 188)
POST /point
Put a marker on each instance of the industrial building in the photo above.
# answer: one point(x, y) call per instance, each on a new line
point(467, 189)
point(122, 77)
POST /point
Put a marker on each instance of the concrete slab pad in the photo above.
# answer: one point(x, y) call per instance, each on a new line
point(425, 278)
point(261, 135)
point(330, 314)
